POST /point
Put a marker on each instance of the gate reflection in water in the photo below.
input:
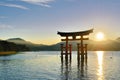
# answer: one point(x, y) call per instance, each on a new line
point(67, 72)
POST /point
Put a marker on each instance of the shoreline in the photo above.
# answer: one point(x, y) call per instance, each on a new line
point(7, 53)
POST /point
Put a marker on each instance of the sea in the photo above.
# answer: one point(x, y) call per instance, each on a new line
point(47, 65)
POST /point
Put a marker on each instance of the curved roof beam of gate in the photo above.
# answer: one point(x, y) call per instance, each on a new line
point(80, 33)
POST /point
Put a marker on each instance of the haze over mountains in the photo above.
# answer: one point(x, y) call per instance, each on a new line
point(108, 45)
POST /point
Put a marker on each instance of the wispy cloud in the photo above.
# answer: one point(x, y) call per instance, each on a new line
point(44, 3)
point(5, 26)
point(39, 2)
point(14, 5)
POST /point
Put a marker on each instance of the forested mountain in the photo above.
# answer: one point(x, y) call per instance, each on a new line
point(10, 46)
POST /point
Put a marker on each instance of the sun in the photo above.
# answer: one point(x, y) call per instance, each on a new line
point(100, 36)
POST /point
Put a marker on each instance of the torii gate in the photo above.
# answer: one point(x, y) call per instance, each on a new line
point(82, 48)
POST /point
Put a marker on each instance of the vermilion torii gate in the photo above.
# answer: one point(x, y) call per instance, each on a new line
point(82, 48)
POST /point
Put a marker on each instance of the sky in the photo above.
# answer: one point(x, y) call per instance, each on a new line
point(39, 20)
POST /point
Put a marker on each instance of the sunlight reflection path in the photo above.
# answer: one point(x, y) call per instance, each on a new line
point(100, 64)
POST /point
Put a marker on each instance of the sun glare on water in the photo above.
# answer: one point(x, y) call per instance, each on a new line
point(100, 36)
point(100, 55)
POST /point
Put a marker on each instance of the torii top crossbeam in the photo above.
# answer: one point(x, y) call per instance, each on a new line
point(87, 32)
point(74, 35)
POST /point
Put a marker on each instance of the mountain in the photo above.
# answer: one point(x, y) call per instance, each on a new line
point(19, 41)
point(118, 39)
point(108, 45)
point(10, 46)
point(30, 45)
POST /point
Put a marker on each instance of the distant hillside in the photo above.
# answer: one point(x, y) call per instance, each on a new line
point(9, 46)
point(118, 39)
point(30, 45)
point(108, 45)
point(19, 41)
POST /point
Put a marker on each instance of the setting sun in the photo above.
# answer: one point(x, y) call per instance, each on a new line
point(100, 36)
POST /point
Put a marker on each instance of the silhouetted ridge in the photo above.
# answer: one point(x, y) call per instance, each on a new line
point(108, 45)
point(9, 46)
point(118, 38)
point(16, 39)
point(19, 41)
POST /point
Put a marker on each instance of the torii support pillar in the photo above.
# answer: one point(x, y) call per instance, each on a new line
point(82, 52)
point(67, 51)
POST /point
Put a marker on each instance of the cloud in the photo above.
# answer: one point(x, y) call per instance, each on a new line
point(43, 3)
point(14, 5)
point(39, 2)
point(5, 26)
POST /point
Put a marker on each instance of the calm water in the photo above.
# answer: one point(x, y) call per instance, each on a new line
point(47, 66)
